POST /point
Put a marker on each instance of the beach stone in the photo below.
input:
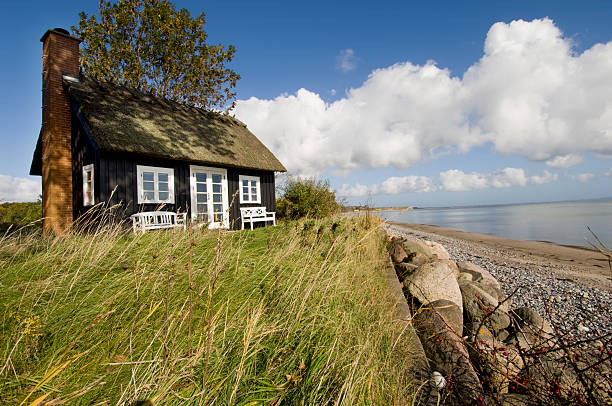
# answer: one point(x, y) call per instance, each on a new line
point(438, 249)
point(451, 264)
point(531, 329)
point(464, 276)
point(476, 304)
point(450, 312)
point(484, 279)
point(418, 252)
point(497, 361)
point(448, 355)
point(397, 252)
point(404, 269)
point(434, 281)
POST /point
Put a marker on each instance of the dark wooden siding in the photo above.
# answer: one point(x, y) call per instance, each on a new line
point(82, 154)
point(117, 172)
point(117, 177)
point(267, 191)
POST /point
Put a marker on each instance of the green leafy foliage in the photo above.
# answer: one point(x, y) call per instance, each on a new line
point(18, 215)
point(148, 45)
point(306, 198)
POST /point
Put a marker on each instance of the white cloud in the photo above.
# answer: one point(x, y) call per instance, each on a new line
point(18, 189)
point(608, 172)
point(346, 60)
point(565, 161)
point(584, 177)
point(531, 94)
point(391, 186)
point(546, 177)
point(455, 180)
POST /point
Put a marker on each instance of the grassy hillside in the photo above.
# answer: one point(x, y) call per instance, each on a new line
point(295, 314)
point(17, 215)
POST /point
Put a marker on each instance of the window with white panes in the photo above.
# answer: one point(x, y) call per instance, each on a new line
point(155, 185)
point(249, 189)
point(88, 185)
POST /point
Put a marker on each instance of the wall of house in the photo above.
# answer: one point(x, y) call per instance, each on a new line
point(116, 183)
point(267, 191)
point(83, 153)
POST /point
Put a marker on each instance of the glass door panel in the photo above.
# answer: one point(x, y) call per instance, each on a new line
point(209, 196)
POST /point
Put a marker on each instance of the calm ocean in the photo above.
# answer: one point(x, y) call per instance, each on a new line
point(562, 223)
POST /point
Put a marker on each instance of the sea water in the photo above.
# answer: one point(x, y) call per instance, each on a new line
point(561, 223)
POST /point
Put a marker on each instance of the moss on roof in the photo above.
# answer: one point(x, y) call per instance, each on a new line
point(126, 120)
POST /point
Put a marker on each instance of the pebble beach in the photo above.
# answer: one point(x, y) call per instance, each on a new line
point(572, 286)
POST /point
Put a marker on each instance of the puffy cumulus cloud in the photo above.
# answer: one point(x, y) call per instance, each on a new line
point(396, 118)
point(536, 97)
point(584, 177)
point(546, 177)
point(455, 180)
point(565, 161)
point(18, 189)
point(391, 186)
point(346, 60)
point(531, 94)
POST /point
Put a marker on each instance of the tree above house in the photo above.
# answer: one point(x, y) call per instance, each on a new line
point(150, 46)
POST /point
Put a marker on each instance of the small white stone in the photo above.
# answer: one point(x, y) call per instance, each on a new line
point(438, 380)
point(583, 328)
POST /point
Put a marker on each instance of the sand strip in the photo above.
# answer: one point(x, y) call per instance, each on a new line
point(576, 264)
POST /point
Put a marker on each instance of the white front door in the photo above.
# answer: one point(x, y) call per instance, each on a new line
point(209, 196)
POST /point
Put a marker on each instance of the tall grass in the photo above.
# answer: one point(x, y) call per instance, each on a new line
point(295, 314)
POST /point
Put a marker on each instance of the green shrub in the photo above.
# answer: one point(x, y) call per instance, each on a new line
point(306, 198)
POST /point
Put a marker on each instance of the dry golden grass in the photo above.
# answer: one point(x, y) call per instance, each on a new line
point(295, 314)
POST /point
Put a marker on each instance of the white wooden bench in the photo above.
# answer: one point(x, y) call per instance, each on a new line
point(255, 214)
point(152, 220)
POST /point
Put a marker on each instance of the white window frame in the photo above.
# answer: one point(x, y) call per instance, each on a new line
point(156, 171)
point(88, 169)
point(249, 179)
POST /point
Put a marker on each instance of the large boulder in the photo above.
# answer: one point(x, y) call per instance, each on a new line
point(498, 363)
point(480, 306)
point(555, 381)
point(448, 355)
point(434, 281)
point(530, 329)
point(404, 270)
point(397, 252)
point(418, 252)
point(451, 264)
point(437, 250)
point(483, 279)
point(450, 312)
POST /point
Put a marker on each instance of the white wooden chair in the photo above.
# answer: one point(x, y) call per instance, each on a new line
point(255, 214)
point(152, 220)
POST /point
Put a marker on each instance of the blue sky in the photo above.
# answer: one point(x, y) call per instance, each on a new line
point(428, 104)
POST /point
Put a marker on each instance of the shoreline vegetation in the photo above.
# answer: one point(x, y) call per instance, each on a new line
point(300, 313)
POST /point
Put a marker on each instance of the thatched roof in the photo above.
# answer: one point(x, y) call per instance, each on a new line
point(125, 120)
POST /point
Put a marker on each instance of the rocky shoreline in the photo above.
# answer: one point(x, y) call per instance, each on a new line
point(499, 332)
point(581, 310)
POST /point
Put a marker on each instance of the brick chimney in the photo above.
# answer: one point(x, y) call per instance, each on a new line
point(60, 57)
